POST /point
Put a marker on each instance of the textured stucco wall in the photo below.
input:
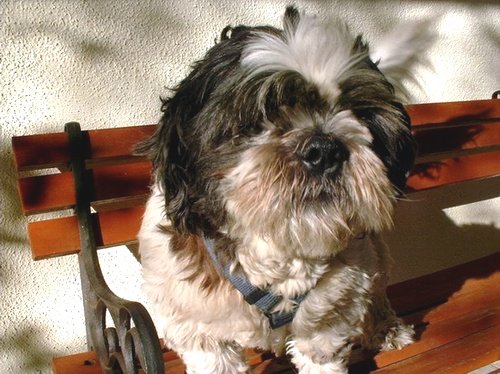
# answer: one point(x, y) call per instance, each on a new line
point(105, 63)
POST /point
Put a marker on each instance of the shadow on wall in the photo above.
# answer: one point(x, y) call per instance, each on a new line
point(88, 47)
point(28, 344)
point(88, 34)
point(11, 210)
point(22, 340)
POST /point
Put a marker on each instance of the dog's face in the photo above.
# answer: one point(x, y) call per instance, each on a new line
point(292, 136)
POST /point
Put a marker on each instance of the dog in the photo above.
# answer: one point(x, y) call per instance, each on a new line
point(277, 164)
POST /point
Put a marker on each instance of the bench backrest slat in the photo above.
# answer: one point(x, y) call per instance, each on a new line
point(59, 236)
point(120, 179)
point(34, 152)
point(52, 192)
point(431, 114)
point(479, 136)
point(454, 170)
point(457, 142)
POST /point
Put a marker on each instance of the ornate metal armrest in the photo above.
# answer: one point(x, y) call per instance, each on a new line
point(132, 342)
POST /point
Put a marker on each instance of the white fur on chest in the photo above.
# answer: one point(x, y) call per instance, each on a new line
point(186, 311)
point(182, 308)
point(285, 274)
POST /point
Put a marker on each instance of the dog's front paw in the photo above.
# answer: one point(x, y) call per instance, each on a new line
point(335, 364)
point(219, 361)
point(397, 336)
point(329, 368)
point(307, 366)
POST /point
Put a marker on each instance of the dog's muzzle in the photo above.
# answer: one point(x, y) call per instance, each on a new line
point(323, 155)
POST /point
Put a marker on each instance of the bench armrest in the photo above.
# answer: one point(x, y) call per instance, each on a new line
point(133, 340)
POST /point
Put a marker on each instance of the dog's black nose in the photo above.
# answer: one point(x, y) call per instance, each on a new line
point(323, 155)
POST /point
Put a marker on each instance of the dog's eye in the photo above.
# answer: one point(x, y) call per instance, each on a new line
point(244, 132)
point(250, 129)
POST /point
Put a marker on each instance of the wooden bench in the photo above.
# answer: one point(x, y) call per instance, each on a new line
point(87, 191)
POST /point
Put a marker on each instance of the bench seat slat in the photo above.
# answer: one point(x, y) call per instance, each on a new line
point(430, 114)
point(56, 191)
point(443, 284)
point(460, 356)
point(454, 170)
point(59, 236)
point(441, 333)
point(51, 150)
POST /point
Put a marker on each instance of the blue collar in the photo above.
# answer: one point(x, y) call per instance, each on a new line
point(265, 300)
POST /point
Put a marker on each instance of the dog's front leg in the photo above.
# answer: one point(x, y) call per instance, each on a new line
point(331, 319)
point(389, 332)
point(214, 358)
point(321, 354)
point(384, 330)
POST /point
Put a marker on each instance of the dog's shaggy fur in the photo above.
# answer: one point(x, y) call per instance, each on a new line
point(288, 149)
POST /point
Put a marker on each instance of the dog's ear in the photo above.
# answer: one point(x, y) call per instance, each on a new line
point(398, 53)
point(173, 147)
point(172, 150)
point(291, 20)
point(171, 161)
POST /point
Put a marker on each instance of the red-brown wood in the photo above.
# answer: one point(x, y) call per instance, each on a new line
point(114, 182)
point(51, 150)
point(109, 143)
point(87, 363)
point(438, 334)
point(435, 289)
point(430, 114)
point(54, 237)
point(114, 223)
point(59, 236)
point(460, 356)
point(80, 363)
point(450, 321)
point(45, 150)
point(56, 191)
point(46, 193)
point(453, 138)
point(450, 171)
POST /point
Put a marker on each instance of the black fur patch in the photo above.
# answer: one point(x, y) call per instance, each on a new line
point(215, 110)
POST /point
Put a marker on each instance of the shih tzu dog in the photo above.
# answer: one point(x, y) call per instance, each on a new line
point(277, 164)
